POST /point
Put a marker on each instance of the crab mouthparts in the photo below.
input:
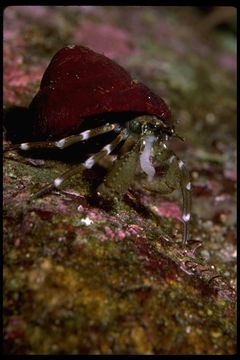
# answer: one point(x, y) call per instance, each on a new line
point(145, 157)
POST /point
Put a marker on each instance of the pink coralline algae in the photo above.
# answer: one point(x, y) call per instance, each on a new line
point(90, 33)
point(131, 230)
point(169, 210)
point(17, 78)
point(231, 174)
point(228, 62)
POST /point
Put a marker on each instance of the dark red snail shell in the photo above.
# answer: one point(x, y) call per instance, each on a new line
point(80, 83)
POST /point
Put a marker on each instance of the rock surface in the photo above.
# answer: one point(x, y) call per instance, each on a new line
point(79, 279)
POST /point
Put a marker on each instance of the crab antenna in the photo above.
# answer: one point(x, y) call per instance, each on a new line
point(178, 136)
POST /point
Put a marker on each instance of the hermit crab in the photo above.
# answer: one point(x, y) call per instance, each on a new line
point(85, 95)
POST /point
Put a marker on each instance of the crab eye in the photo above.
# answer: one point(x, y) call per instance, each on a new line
point(170, 131)
point(134, 126)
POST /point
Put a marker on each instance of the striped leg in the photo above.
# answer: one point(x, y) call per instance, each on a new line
point(108, 160)
point(185, 185)
point(88, 164)
point(65, 142)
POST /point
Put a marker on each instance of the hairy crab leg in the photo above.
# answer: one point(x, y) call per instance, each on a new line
point(87, 164)
point(120, 176)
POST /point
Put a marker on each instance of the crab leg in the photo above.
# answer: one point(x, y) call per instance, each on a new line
point(65, 142)
point(176, 174)
point(88, 164)
point(121, 173)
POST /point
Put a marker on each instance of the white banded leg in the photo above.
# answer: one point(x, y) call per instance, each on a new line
point(185, 185)
point(127, 146)
point(65, 142)
point(87, 164)
point(179, 174)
